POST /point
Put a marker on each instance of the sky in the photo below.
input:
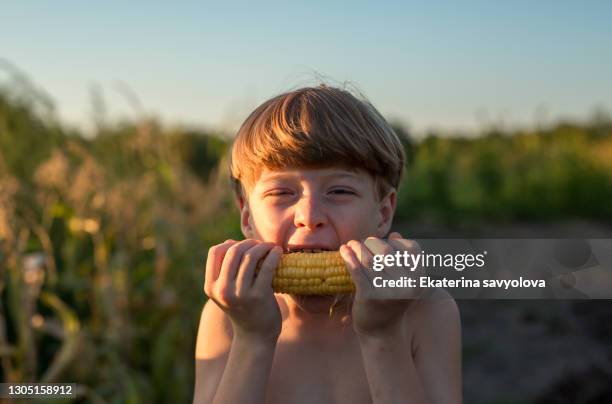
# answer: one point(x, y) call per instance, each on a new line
point(445, 66)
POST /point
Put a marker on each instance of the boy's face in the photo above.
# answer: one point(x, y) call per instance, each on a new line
point(315, 208)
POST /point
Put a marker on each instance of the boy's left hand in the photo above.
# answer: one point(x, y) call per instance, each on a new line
point(377, 312)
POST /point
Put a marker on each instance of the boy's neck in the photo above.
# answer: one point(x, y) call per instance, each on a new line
point(328, 310)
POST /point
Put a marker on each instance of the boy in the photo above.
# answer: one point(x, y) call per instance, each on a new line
point(317, 168)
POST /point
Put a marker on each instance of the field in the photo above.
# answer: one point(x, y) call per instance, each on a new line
point(103, 239)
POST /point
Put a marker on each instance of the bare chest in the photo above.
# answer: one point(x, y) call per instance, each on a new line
point(313, 372)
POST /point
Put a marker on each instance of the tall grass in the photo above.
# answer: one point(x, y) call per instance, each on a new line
point(102, 244)
point(102, 240)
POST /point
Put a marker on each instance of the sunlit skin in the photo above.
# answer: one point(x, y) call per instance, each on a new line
point(289, 349)
point(320, 208)
point(323, 207)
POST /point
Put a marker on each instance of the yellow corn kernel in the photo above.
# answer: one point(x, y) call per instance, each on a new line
point(321, 273)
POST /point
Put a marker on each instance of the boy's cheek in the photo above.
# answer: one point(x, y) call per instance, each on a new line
point(267, 226)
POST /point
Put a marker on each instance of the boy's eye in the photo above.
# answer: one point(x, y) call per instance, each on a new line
point(278, 192)
point(342, 191)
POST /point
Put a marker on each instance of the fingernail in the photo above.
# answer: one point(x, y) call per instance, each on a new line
point(376, 245)
point(408, 244)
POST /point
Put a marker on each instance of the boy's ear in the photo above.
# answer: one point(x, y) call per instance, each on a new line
point(386, 209)
point(245, 217)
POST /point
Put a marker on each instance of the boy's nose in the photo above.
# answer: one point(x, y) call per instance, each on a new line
point(308, 214)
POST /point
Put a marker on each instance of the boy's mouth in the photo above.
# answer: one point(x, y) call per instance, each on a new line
point(307, 248)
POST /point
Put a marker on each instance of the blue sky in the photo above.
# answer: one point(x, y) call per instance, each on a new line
point(444, 65)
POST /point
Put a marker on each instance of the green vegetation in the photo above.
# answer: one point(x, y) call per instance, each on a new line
point(558, 173)
point(102, 245)
point(103, 239)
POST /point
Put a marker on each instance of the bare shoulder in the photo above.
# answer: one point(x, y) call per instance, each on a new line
point(435, 328)
point(438, 302)
point(433, 317)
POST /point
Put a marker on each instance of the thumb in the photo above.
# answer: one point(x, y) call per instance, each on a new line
point(268, 269)
point(355, 268)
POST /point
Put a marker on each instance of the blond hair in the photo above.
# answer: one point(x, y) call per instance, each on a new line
point(317, 127)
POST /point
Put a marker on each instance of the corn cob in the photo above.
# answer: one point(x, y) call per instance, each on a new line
point(319, 273)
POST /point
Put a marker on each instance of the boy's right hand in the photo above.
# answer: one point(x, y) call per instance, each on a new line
point(246, 297)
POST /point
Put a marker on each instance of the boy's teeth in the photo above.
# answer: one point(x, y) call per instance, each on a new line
point(308, 250)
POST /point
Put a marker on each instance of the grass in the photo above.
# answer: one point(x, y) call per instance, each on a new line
point(103, 239)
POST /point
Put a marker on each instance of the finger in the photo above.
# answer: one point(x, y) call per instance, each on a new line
point(401, 244)
point(232, 260)
point(246, 272)
point(395, 235)
point(353, 265)
point(378, 246)
point(413, 248)
point(213, 263)
point(267, 269)
point(383, 248)
point(364, 255)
